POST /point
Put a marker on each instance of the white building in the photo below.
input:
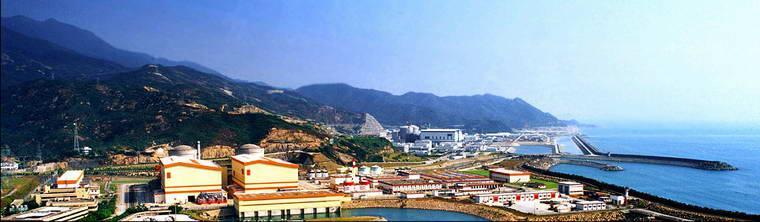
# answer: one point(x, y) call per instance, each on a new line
point(70, 179)
point(8, 166)
point(395, 186)
point(442, 135)
point(512, 197)
point(422, 147)
point(590, 205)
point(617, 200)
point(509, 176)
point(570, 188)
point(449, 146)
point(402, 147)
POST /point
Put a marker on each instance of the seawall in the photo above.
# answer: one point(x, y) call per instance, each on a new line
point(592, 153)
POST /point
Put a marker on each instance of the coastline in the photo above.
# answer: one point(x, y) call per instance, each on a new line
point(650, 201)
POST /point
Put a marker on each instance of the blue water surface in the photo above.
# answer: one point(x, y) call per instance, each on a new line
point(729, 190)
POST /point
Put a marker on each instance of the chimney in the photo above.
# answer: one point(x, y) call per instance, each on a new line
point(199, 149)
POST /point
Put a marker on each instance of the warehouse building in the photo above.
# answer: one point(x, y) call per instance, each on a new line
point(509, 176)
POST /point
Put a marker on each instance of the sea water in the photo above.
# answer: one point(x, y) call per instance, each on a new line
point(738, 145)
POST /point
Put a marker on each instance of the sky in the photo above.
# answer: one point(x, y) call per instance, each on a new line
point(594, 61)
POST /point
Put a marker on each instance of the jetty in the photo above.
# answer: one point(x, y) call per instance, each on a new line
point(591, 153)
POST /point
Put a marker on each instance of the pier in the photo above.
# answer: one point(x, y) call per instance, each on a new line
point(591, 153)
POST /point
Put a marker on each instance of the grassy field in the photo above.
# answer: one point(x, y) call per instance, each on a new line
point(23, 186)
point(401, 157)
point(549, 184)
point(477, 172)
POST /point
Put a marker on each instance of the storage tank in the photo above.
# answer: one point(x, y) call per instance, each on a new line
point(183, 151)
point(251, 149)
point(364, 170)
point(376, 170)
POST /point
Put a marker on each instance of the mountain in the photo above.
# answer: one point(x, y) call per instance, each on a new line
point(87, 43)
point(479, 113)
point(25, 59)
point(153, 103)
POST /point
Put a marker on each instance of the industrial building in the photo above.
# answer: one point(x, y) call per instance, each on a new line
point(287, 204)
point(395, 186)
point(50, 214)
point(254, 173)
point(70, 179)
point(451, 179)
point(184, 177)
point(512, 197)
point(509, 176)
point(421, 147)
point(442, 135)
point(70, 190)
point(570, 188)
point(267, 187)
point(590, 205)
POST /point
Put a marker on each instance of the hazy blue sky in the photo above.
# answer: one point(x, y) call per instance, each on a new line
point(590, 60)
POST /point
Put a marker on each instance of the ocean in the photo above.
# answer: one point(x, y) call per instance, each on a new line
point(728, 190)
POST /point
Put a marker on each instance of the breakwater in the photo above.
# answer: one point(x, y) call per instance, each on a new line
point(598, 165)
point(592, 154)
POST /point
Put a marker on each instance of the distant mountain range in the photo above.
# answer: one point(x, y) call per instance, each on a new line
point(476, 113)
point(25, 59)
point(87, 43)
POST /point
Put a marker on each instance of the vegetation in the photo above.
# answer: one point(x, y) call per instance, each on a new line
point(365, 148)
point(401, 157)
point(549, 184)
point(23, 185)
point(129, 211)
point(105, 210)
point(481, 172)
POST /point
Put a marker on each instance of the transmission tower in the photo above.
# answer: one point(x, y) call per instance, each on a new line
point(39, 151)
point(76, 139)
